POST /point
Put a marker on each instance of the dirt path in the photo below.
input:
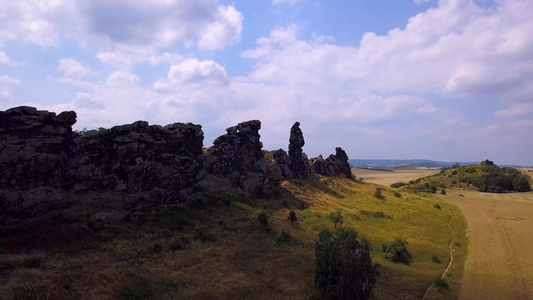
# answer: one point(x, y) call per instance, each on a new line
point(426, 293)
point(500, 232)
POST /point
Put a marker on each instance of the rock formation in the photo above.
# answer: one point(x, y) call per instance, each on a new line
point(334, 165)
point(44, 165)
point(299, 163)
point(43, 161)
point(237, 155)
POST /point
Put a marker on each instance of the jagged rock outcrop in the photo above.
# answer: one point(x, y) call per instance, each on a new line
point(237, 155)
point(44, 163)
point(334, 165)
point(299, 162)
point(283, 161)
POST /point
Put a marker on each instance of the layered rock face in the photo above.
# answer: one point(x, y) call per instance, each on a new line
point(43, 161)
point(335, 165)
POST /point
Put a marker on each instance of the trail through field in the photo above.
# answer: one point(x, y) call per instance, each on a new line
point(499, 264)
point(426, 293)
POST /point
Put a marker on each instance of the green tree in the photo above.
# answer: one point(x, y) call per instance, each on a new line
point(343, 267)
point(263, 220)
point(292, 217)
point(336, 217)
point(521, 183)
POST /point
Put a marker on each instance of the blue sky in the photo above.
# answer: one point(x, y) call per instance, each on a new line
point(445, 80)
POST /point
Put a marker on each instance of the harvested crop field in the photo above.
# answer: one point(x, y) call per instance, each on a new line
point(499, 264)
point(389, 177)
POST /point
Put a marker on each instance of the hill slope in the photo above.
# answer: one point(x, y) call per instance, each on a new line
point(213, 245)
point(484, 177)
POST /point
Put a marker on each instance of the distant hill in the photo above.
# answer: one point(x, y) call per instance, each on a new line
point(396, 163)
point(485, 177)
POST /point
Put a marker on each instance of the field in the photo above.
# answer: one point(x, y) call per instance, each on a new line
point(387, 178)
point(500, 261)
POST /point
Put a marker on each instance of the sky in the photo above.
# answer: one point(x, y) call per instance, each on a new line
point(385, 79)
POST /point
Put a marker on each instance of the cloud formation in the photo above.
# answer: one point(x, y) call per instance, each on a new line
point(163, 61)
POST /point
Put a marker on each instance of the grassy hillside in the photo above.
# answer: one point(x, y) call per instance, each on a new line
point(213, 247)
point(484, 177)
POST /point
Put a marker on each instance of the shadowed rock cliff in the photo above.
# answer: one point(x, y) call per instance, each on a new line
point(43, 161)
point(44, 165)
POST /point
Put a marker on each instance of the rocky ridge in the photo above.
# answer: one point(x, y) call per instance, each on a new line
point(45, 165)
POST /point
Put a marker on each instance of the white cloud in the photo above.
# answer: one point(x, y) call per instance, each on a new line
point(4, 59)
point(4, 79)
point(6, 85)
point(163, 23)
point(290, 2)
point(514, 110)
point(122, 79)
point(37, 22)
point(72, 68)
point(191, 73)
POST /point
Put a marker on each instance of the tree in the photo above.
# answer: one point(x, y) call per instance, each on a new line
point(263, 220)
point(343, 267)
point(292, 217)
point(336, 217)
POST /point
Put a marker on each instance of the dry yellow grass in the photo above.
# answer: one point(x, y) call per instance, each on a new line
point(500, 261)
point(387, 178)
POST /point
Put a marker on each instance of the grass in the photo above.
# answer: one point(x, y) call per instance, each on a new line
point(215, 247)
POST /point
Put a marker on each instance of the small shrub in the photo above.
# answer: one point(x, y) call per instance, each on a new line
point(179, 244)
point(379, 214)
point(264, 220)
point(34, 263)
point(411, 182)
point(435, 259)
point(397, 251)
point(292, 217)
point(436, 206)
point(206, 236)
point(442, 283)
point(285, 238)
point(443, 192)
point(157, 248)
point(397, 195)
point(378, 194)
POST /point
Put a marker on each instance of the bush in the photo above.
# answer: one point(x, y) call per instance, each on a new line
point(398, 184)
point(442, 283)
point(285, 238)
point(292, 217)
point(436, 206)
point(263, 220)
point(443, 192)
point(397, 251)
point(378, 194)
point(343, 267)
point(435, 259)
point(397, 195)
